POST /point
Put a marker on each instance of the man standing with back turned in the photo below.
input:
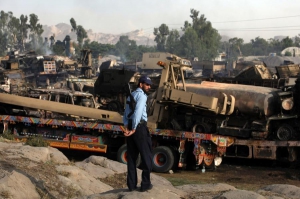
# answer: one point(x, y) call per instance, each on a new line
point(138, 135)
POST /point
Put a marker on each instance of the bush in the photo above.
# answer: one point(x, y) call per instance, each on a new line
point(8, 135)
point(37, 141)
point(288, 54)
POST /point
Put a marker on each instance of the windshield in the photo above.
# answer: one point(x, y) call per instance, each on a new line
point(14, 76)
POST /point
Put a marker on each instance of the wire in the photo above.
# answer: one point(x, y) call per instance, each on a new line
point(256, 30)
point(257, 19)
point(236, 21)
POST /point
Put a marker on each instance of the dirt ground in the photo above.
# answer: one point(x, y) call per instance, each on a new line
point(240, 173)
point(244, 174)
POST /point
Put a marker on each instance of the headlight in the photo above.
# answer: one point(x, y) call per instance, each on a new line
point(287, 104)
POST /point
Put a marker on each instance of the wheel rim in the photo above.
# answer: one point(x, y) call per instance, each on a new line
point(124, 157)
point(160, 159)
point(284, 133)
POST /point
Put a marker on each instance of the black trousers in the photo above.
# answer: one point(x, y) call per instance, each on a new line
point(139, 143)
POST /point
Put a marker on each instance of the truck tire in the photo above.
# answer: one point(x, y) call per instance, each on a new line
point(163, 159)
point(122, 156)
point(285, 132)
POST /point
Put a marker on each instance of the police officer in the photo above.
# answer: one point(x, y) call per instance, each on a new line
point(138, 136)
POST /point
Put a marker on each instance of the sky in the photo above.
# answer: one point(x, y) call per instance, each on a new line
point(245, 19)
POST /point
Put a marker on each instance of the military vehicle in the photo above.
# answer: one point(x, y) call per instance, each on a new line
point(257, 74)
point(185, 119)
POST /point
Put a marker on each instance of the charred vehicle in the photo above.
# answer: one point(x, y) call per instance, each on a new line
point(101, 129)
point(188, 121)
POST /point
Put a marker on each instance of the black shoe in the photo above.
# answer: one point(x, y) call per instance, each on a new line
point(132, 189)
point(146, 189)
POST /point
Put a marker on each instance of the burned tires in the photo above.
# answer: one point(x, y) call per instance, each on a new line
point(122, 156)
point(285, 132)
point(163, 159)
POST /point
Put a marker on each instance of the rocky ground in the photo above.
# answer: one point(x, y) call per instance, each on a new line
point(45, 172)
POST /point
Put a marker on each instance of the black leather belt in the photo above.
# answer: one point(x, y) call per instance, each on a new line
point(143, 122)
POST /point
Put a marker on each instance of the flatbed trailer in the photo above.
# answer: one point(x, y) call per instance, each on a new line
point(265, 149)
point(170, 147)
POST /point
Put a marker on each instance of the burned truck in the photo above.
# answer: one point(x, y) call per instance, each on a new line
point(185, 119)
point(242, 111)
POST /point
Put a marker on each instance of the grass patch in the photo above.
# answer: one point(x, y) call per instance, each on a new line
point(36, 141)
point(64, 173)
point(181, 181)
point(72, 192)
point(8, 135)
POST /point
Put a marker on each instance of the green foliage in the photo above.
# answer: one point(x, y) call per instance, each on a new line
point(190, 44)
point(36, 30)
point(288, 53)
point(161, 34)
point(260, 46)
point(236, 43)
point(8, 135)
point(287, 42)
point(3, 43)
point(127, 49)
point(36, 141)
point(199, 39)
point(59, 49)
point(80, 31)
point(173, 42)
point(98, 49)
point(180, 181)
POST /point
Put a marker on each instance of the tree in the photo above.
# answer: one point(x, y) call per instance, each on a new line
point(288, 54)
point(236, 43)
point(297, 40)
point(3, 42)
point(52, 41)
point(23, 32)
point(190, 44)
point(4, 19)
point(13, 29)
point(286, 42)
point(173, 42)
point(208, 38)
point(127, 49)
point(275, 46)
point(36, 30)
point(79, 30)
point(161, 36)
point(260, 46)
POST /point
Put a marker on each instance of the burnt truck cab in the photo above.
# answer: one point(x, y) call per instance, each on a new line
point(64, 96)
point(112, 88)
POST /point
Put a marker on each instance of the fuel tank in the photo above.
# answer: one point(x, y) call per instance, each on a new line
point(249, 100)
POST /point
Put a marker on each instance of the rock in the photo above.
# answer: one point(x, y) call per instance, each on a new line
point(80, 178)
point(106, 163)
point(36, 154)
point(57, 157)
point(238, 194)
point(95, 170)
point(195, 188)
point(17, 186)
point(283, 190)
point(4, 146)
